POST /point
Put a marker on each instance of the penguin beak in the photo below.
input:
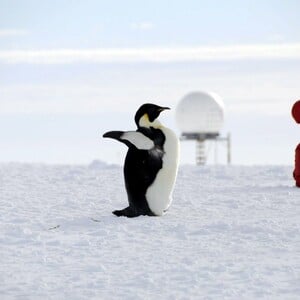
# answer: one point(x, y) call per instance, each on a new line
point(163, 108)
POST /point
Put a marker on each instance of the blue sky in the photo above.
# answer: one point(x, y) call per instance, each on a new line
point(81, 24)
point(70, 70)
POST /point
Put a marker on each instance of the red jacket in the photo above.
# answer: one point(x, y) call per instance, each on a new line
point(296, 116)
point(297, 166)
point(296, 111)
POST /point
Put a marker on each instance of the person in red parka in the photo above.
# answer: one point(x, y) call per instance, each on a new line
point(296, 116)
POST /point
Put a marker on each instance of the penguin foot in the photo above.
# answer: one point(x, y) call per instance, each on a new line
point(126, 212)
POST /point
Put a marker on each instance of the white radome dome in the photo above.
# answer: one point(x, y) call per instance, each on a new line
point(200, 112)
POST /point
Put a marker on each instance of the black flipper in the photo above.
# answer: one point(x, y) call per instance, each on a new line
point(136, 139)
point(113, 134)
point(116, 135)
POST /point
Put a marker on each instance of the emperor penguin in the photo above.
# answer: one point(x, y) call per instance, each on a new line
point(151, 163)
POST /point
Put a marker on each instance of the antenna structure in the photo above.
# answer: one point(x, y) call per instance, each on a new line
point(200, 117)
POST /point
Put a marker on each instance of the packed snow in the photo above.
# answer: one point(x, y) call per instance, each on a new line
point(232, 232)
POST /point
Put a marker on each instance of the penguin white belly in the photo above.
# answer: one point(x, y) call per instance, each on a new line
point(159, 194)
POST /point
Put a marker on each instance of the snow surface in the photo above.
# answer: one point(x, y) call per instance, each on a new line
point(231, 233)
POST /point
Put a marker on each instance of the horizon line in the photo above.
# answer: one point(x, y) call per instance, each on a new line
point(152, 54)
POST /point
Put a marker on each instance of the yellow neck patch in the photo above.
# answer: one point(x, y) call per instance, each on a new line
point(145, 122)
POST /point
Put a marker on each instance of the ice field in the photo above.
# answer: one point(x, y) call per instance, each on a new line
point(232, 232)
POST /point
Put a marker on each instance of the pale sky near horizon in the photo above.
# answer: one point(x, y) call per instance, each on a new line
point(71, 70)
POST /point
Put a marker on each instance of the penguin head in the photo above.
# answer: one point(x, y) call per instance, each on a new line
point(147, 114)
